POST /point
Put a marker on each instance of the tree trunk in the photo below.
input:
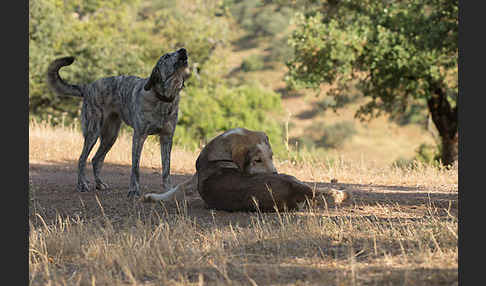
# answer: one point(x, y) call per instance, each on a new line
point(445, 119)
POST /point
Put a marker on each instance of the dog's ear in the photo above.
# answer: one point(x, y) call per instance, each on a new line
point(219, 150)
point(228, 149)
point(239, 155)
point(154, 78)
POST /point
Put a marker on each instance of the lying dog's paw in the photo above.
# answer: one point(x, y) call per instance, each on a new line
point(338, 196)
point(148, 198)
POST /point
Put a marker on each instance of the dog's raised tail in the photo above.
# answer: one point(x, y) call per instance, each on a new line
point(56, 83)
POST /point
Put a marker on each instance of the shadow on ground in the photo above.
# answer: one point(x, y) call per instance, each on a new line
point(52, 194)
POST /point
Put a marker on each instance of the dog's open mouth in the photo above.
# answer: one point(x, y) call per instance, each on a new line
point(182, 60)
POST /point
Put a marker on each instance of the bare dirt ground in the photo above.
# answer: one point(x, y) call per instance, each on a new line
point(54, 194)
point(400, 228)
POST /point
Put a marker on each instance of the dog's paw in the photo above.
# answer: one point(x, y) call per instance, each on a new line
point(101, 186)
point(340, 196)
point(83, 187)
point(147, 198)
point(133, 194)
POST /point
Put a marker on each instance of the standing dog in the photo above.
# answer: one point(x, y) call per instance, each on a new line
point(149, 105)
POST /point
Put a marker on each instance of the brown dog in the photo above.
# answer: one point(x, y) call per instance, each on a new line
point(245, 151)
point(235, 172)
point(233, 191)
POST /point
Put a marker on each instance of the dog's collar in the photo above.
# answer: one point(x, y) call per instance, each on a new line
point(159, 96)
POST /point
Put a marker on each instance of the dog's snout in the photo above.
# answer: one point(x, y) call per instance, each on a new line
point(275, 172)
point(183, 53)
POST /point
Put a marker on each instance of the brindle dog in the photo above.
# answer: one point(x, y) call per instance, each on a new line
point(149, 105)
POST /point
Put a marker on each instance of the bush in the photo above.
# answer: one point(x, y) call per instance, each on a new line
point(116, 37)
point(336, 134)
point(269, 22)
point(280, 51)
point(331, 136)
point(252, 63)
point(206, 112)
point(428, 154)
point(258, 18)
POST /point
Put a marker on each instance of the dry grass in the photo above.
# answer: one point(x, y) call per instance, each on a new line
point(385, 236)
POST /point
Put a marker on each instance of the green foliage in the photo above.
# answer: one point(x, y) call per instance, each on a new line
point(336, 134)
point(206, 112)
point(101, 41)
point(428, 154)
point(258, 18)
point(319, 135)
point(127, 37)
point(253, 63)
point(280, 51)
point(425, 154)
point(414, 113)
point(398, 51)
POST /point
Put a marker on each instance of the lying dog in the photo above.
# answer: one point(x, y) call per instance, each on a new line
point(235, 170)
point(248, 152)
point(230, 190)
point(149, 105)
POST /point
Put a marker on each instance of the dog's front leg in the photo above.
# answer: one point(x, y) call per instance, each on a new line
point(165, 149)
point(137, 145)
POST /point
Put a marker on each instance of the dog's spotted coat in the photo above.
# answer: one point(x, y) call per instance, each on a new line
point(149, 105)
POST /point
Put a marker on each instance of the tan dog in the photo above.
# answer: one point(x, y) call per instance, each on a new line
point(235, 172)
point(248, 152)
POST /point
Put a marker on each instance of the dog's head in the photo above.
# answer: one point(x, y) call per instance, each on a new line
point(249, 150)
point(167, 77)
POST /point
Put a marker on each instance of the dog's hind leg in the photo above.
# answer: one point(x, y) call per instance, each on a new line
point(137, 145)
point(109, 133)
point(91, 132)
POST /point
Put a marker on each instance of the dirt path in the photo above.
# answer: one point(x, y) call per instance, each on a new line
point(53, 195)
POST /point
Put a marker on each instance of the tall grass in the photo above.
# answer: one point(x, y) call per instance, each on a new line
point(363, 243)
point(272, 249)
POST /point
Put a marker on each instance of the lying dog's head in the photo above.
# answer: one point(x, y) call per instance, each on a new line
point(167, 77)
point(249, 150)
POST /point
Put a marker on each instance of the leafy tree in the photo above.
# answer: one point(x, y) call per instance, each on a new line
point(396, 51)
point(103, 42)
point(113, 37)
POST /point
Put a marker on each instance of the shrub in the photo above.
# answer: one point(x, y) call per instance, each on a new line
point(269, 22)
point(331, 136)
point(252, 63)
point(113, 38)
point(424, 154)
point(206, 112)
point(280, 51)
point(258, 18)
point(336, 134)
point(428, 154)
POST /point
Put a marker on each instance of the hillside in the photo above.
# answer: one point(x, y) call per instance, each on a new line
point(380, 140)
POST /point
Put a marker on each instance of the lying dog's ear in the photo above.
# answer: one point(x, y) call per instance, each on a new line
point(228, 149)
point(154, 78)
point(220, 150)
point(239, 155)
